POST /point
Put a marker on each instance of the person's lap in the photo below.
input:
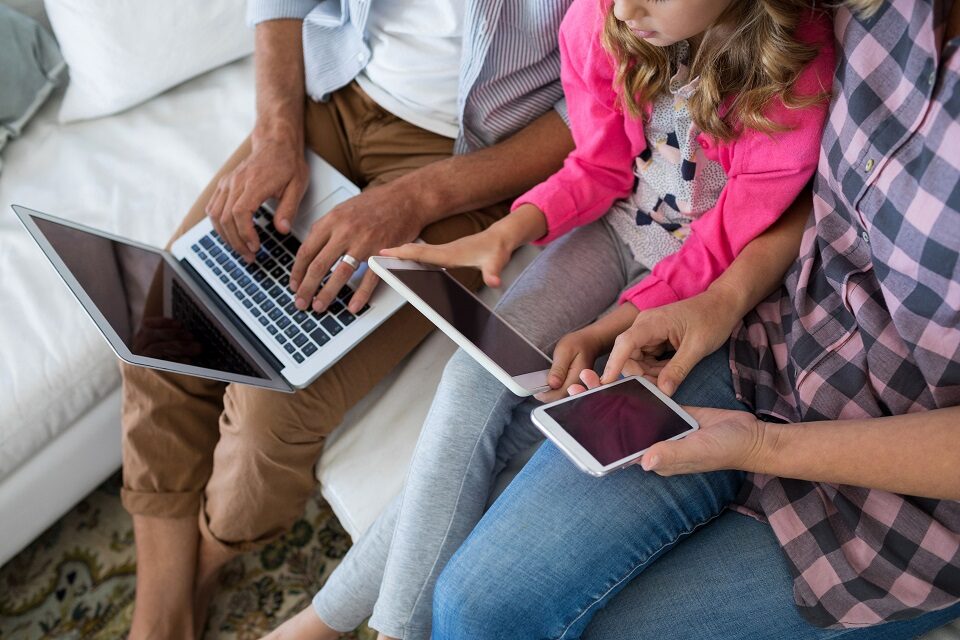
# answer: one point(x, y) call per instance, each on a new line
point(239, 435)
point(558, 544)
point(547, 555)
point(729, 580)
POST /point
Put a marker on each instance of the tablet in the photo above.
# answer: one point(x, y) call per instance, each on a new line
point(607, 428)
point(493, 343)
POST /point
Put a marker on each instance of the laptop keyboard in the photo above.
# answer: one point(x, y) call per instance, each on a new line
point(217, 352)
point(262, 289)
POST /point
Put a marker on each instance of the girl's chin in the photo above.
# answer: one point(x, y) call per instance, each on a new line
point(659, 41)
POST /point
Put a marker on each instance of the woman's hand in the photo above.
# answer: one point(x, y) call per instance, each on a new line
point(694, 328)
point(489, 250)
point(725, 440)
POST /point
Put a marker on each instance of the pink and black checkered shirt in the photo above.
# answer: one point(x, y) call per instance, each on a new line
point(868, 322)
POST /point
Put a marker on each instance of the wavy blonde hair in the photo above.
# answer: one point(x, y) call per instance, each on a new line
point(747, 59)
point(866, 8)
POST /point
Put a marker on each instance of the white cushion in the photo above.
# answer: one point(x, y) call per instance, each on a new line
point(122, 52)
point(365, 461)
point(135, 174)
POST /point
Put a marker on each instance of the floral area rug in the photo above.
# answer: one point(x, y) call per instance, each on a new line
point(76, 581)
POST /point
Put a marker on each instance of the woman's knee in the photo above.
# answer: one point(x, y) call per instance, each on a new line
point(469, 602)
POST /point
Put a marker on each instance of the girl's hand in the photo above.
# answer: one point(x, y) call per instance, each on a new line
point(486, 251)
point(695, 328)
point(726, 440)
point(575, 352)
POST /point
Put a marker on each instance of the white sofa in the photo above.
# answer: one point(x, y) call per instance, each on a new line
point(136, 174)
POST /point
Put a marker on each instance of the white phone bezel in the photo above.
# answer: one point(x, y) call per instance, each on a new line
point(523, 385)
point(584, 460)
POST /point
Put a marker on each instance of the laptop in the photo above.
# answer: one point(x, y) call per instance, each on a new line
point(199, 309)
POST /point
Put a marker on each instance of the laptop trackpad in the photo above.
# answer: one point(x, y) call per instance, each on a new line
point(311, 213)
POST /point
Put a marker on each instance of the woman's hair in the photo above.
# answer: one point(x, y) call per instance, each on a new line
point(866, 8)
point(750, 57)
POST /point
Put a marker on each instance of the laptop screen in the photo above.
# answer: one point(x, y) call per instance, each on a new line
point(146, 303)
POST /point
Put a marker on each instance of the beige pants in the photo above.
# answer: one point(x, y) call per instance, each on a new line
point(242, 458)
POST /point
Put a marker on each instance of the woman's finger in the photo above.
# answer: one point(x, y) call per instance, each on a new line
point(646, 331)
point(590, 379)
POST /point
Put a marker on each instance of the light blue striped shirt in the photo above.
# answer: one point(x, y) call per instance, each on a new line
point(509, 70)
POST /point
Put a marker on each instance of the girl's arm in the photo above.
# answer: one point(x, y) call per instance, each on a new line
point(766, 173)
point(489, 250)
point(698, 326)
point(600, 169)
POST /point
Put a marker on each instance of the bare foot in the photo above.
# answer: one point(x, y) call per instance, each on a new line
point(303, 626)
point(211, 558)
point(166, 565)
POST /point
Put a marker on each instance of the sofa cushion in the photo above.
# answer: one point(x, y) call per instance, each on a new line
point(135, 174)
point(122, 53)
point(31, 67)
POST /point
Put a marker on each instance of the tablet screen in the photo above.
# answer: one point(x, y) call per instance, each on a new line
point(478, 324)
point(619, 421)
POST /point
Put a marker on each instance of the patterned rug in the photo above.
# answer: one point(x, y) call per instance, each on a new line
point(76, 581)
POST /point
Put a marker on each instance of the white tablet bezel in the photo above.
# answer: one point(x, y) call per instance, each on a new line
point(523, 385)
point(555, 432)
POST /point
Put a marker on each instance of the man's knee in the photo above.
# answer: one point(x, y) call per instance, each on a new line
point(268, 420)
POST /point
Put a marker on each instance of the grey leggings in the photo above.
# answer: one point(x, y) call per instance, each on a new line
point(391, 571)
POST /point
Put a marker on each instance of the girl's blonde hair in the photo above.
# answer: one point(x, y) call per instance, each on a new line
point(749, 57)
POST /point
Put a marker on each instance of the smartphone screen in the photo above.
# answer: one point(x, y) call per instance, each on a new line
point(479, 325)
point(618, 421)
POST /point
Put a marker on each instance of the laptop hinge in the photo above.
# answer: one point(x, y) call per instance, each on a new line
point(234, 319)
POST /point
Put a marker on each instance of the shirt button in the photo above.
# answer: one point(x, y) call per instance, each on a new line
point(360, 57)
point(870, 164)
point(865, 236)
point(932, 79)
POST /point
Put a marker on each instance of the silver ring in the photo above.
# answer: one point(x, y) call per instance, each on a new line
point(350, 260)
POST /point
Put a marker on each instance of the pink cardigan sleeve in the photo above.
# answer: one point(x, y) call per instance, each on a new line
point(600, 169)
point(766, 174)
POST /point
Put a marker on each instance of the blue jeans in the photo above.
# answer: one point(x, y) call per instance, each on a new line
point(559, 544)
point(653, 553)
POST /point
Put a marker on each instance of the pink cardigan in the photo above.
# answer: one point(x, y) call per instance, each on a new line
point(765, 173)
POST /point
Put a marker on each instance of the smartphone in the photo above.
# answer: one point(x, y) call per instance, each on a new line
point(478, 330)
point(605, 429)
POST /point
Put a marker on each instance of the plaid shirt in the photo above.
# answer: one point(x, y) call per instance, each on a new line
point(868, 321)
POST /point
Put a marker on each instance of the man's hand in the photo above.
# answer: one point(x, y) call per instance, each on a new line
point(275, 168)
point(381, 216)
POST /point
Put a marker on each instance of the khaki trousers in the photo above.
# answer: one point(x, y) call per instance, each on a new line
point(240, 458)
